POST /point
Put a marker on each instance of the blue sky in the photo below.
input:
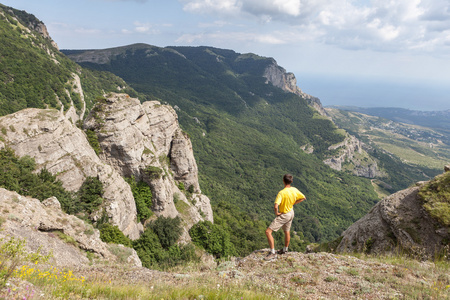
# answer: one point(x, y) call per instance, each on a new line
point(361, 52)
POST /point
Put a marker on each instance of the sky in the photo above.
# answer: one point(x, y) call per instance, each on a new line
point(368, 53)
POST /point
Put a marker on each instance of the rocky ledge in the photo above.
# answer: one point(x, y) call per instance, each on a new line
point(401, 222)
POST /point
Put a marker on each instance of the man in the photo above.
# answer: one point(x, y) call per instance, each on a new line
point(284, 211)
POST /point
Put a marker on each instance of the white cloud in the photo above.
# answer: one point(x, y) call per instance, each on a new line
point(142, 27)
point(259, 8)
point(380, 25)
point(146, 28)
point(233, 37)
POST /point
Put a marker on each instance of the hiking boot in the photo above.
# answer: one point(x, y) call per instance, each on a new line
point(282, 251)
point(270, 256)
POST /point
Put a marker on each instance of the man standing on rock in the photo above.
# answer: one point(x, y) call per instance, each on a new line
point(284, 211)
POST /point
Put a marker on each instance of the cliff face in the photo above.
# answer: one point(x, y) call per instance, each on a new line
point(398, 221)
point(287, 82)
point(59, 146)
point(146, 142)
point(350, 154)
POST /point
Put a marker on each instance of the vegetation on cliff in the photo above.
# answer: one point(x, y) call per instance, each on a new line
point(436, 198)
point(28, 57)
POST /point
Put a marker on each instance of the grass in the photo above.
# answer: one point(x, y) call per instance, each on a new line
point(436, 198)
point(362, 275)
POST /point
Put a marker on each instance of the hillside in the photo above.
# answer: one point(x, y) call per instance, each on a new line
point(407, 152)
point(246, 132)
point(29, 54)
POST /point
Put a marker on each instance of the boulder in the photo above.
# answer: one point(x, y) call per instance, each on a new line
point(46, 226)
point(398, 222)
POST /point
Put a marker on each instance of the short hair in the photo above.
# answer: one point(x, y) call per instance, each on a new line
point(288, 178)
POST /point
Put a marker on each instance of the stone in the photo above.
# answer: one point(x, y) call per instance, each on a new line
point(52, 202)
point(145, 141)
point(398, 220)
point(58, 145)
point(41, 225)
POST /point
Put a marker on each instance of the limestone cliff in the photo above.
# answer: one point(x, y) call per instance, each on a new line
point(146, 142)
point(59, 146)
point(287, 82)
point(140, 140)
point(351, 156)
point(399, 222)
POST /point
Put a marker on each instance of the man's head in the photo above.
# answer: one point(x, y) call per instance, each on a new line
point(287, 179)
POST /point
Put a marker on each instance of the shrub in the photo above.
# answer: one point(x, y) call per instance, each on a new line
point(142, 197)
point(213, 238)
point(153, 172)
point(112, 234)
point(93, 141)
point(153, 254)
point(167, 229)
point(149, 248)
point(90, 195)
point(17, 174)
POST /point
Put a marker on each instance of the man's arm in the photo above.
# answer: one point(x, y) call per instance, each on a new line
point(276, 210)
point(299, 200)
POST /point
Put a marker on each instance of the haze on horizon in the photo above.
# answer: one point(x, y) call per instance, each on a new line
point(367, 53)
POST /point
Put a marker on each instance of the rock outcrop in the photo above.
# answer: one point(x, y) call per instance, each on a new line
point(45, 226)
point(398, 222)
point(146, 142)
point(59, 146)
point(287, 82)
point(352, 157)
point(137, 140)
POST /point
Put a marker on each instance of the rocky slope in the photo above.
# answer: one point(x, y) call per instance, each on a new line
point(291, 276)
point(351, 156)
point(59, 146)
point(133, 137)
point(400, 222)
point(46, 227)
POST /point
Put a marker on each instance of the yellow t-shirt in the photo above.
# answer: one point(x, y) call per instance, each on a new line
point(286, 199)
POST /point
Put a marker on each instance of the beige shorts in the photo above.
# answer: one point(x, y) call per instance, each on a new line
point(283, 221)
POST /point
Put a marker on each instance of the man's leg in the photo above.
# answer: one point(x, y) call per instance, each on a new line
point(287, 238)
point(270, 238)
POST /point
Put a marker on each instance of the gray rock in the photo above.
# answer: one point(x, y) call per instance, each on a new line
point(135, 138)
point(49, 228)
point(59, 146)
point(52, 202)
point(398, 221)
